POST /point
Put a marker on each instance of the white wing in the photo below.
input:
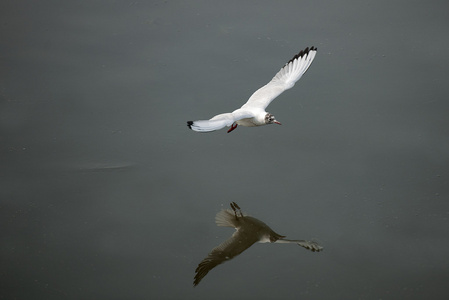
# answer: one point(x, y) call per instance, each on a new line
point(219, 121)
point(284, 79)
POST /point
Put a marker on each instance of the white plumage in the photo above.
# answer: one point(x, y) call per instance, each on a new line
point(253, 113)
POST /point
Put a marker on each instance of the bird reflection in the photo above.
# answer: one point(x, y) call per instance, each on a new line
point(249, 230)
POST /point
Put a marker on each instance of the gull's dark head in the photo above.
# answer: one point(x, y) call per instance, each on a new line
point(270, 119)
point(275, 236)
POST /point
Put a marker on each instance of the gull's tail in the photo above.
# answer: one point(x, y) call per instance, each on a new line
point(226, 218)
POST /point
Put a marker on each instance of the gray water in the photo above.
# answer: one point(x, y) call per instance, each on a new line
point(106, 194)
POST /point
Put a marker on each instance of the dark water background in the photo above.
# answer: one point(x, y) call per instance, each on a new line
point(106, 194)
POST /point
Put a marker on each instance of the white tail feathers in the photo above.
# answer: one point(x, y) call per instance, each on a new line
point(226, 218)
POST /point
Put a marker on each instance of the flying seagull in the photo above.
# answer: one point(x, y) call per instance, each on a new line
point(253, 113)
point(249, 230)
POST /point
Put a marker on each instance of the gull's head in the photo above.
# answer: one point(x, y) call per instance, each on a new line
point(275, 236)
point(270, 119)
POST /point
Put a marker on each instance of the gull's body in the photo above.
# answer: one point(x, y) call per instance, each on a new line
point(249, 230)
point(253, 113)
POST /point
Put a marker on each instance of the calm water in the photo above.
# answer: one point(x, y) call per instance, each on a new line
point(106, 194)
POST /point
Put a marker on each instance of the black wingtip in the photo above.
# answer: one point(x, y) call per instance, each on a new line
point(189, 124)
point(302, 53)
point(312, 48)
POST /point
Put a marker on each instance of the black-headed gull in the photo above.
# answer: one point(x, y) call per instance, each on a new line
point(253, 113)
point(249, 230)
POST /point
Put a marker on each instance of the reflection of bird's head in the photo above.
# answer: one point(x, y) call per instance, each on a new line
point(274, 236)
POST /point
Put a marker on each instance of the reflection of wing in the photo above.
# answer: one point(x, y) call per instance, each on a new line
point(232, 247)
point(312, 246)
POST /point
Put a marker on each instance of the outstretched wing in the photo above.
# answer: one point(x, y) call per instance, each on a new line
point(229, 249)
point(219, 121)
point(285, 79)
point(312, 246)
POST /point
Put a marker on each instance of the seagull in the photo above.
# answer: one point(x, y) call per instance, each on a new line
point(249, 230)
point(253, 113)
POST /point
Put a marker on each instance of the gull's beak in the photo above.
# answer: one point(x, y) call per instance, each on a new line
point(276, 122)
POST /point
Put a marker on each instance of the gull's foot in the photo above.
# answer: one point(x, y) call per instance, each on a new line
point(233, 126)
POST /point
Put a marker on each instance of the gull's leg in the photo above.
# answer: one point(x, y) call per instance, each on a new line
point(233, 126)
